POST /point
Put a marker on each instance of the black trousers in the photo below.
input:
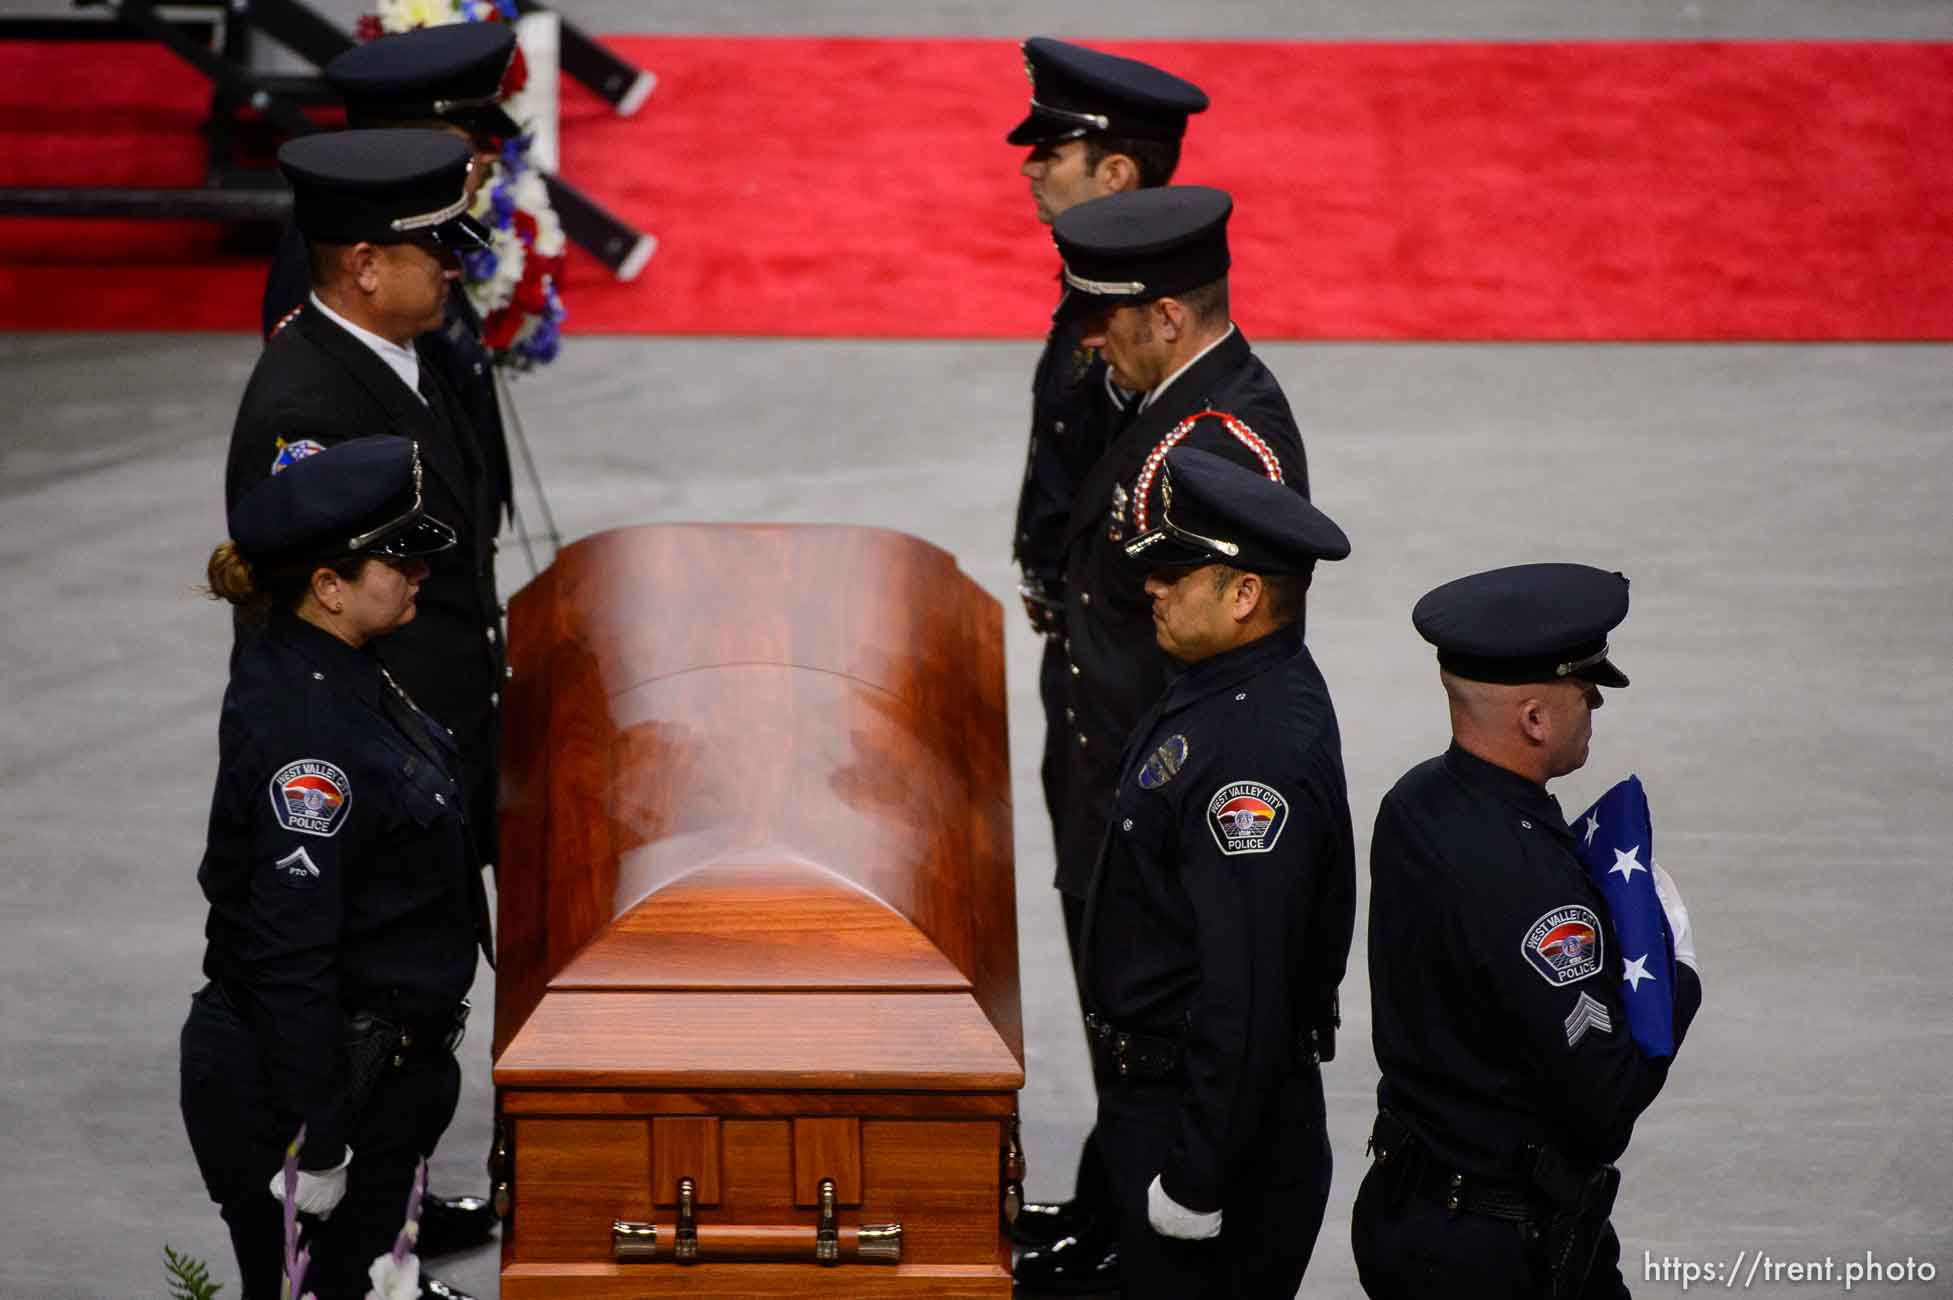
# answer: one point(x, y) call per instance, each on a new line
point(1269, 1217)
point(240, 1144)
point(1408, 1246)
point(1091, 1192)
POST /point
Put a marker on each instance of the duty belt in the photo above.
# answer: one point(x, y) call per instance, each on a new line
point(1396, 1148)
point(1133, 1056)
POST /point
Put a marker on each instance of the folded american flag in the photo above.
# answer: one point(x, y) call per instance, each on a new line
point(1616, 842)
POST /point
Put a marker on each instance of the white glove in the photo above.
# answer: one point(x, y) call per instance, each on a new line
point(1172, 1219)
point(317, 1193)
point(1678, 918)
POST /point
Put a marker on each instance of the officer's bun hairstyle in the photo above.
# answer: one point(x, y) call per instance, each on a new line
point(230, 576)
point(233, 579)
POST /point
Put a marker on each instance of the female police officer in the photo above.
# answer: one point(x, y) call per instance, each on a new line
point(345, 896)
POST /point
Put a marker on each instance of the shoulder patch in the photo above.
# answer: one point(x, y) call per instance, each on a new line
point(291, 453)
point(1564, 945)
point(1165, 764)
point(1246, 817)
point(312, 797)
point(298, 869)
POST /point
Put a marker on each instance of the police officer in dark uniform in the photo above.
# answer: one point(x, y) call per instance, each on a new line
point(1223, 900)
point(346, 898)
point(448, 77)
point(1097, 124)
point(1510, 1081)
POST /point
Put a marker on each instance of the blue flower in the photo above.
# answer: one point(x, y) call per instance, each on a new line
point(481, 264)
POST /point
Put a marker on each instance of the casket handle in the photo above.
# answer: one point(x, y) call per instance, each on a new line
point(685, 1243)
point(832, 1244)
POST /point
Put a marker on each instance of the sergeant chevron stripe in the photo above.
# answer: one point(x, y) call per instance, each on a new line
point(1587, 1014)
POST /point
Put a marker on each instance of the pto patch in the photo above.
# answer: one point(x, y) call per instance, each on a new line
point(1165, 763)
point(291, 453)
point(311, 797)
point(1564, 945)
point(298, 869)
point(1247, 817)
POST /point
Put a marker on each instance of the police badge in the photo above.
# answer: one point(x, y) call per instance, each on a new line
point(1120, 500)
point(1082, 358)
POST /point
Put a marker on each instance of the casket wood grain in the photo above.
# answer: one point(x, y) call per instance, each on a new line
point(757, 923)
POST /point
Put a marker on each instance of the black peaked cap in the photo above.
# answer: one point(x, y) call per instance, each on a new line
point(361, 496)
point(1076, 91)
point(1527, 623)
point(1213, 511)
point(1142, 244)
point(382, 187)
point(452, 72)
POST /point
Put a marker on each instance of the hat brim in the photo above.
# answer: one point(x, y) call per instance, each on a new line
point(421, 535)
point(1159, 548)
point(1603, 673)
point(492, 121)
point(1036, 128)
point(462, 234)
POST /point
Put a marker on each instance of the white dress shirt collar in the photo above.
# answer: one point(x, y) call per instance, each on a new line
point(1164, 384)
point(404, 362)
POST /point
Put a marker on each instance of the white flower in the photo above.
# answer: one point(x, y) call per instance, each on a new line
point(405, 15)
point(394, 1280)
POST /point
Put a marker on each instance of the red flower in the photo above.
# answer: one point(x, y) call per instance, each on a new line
point(516, 76)
point(532, 295)
point(525, 228)
point(368, 28)
point(499, 330)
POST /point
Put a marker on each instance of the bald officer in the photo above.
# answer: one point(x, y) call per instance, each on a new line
point(1510, 1081)
point(1222, 901)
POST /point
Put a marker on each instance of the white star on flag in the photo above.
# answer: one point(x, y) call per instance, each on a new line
point(1593, 827)
point(1626, 864)
point(1632, 973)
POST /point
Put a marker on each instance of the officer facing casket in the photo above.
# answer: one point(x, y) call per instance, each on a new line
point(383, 214)
point(1510, 1080)
point(346, 900)
point(1221, 906)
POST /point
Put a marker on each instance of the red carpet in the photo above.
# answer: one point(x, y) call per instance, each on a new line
point(861, 188)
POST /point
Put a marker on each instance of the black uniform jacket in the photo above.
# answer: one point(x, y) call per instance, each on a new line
point(1072, 416)
point(455, 351)
point(338, 868)
point(316, 381)
point(1116, 669)
point(1225, 895)
point(1471, 1029)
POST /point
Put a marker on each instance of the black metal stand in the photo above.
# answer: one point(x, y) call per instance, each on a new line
point(232, 191)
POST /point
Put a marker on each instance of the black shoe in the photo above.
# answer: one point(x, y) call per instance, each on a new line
point(1070, 1266)
point(451, 1223)
point(433, 1288)
point(1039, 1223)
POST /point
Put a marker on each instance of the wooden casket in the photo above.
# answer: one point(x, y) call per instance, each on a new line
point(757, 1029)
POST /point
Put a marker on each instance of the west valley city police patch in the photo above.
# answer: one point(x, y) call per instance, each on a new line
point(291, 453)
point(1564, 945)
point(311, 797)
point(1165, 763)
point(1247, 817)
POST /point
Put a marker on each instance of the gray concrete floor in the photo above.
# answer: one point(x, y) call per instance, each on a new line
point(1780, 510)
